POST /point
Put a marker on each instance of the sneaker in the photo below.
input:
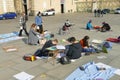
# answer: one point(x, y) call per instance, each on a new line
point(37, 57)
point(72, 60)
point(86, 54)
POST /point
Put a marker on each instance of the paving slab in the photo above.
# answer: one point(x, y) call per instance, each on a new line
point(13, 63)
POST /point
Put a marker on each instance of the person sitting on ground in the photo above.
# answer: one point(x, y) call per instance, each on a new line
point(48, 35)
point(85, 45)
point(89, 25)
point(49, 43)
point(33, 38)
point(67, 23)
point(64, 28)
point(74, 50)
point(105, 27)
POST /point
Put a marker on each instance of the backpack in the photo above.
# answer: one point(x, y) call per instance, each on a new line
point(65, 60)
point(64, 28)
point(107, 45)
point(29, 57)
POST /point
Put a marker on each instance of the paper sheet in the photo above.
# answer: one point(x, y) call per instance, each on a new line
point(52, 48)
point(97, 41)
point(101, 57)
point(117, 72)
point(60, 47)
point(102, 65)
point(23, 76)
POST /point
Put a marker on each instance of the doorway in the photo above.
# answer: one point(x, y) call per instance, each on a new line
point(62, 8)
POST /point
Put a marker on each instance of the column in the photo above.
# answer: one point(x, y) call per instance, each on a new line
point(4, 6)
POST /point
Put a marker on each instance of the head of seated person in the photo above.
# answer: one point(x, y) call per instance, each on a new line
point(33, 26)
point(55, 41)
point(71, 40)
point(84, 41)
point(89, 25)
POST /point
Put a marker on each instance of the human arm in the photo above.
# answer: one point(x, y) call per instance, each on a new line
point(69, 52)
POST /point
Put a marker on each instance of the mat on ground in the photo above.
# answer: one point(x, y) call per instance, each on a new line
point(10, 39)
point(92, 71)
point(7, 35)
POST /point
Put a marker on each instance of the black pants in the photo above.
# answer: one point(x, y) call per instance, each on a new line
point(20, 33)
point(41, 28)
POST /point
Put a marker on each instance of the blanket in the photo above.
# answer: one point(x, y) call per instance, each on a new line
point(116, 40)
point(91, 71)
point(10, 39)
point(7, 35)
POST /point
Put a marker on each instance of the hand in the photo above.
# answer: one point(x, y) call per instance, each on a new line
point(21, 27)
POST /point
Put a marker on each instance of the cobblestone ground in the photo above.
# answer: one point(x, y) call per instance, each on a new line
point(13, 63)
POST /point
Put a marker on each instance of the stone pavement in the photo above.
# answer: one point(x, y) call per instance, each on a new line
point(12, 63)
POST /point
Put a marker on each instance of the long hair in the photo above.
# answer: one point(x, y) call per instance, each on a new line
point(33, 25)
point(85, 39)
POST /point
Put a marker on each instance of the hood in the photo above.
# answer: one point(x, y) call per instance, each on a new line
point(76, 45)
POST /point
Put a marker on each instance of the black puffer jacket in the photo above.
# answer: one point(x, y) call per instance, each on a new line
point(48, 44)
point(74, 51)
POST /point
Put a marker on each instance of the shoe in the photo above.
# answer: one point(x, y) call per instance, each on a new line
point(19, 35)
point(72, 60)
point(86, 54)
point(37, 44)
point(37, 57)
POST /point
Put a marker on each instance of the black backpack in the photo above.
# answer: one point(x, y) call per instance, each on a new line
point(65, 60)
point(64, 28)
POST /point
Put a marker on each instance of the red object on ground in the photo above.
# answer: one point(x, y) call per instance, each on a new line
point(113, 40)
point(96, 27)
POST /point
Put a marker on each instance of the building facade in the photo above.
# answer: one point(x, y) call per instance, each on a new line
point(60, 6)
point(33, 6)
point(7, 6)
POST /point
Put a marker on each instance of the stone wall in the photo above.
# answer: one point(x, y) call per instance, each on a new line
point(7, 6)
point(88, 6)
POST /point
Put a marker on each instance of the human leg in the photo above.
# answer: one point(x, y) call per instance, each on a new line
point(20, 33)
point(41, 28)
point(25, 31)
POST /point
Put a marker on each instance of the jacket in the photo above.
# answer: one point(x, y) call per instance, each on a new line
point(38, 20)
point(74, 51)
point(32, 38)
point(46, 45)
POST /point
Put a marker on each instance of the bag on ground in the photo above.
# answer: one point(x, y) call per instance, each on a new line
point(107, 45)
point(65, 60)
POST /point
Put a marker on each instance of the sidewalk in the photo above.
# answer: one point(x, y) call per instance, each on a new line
point(12, 63)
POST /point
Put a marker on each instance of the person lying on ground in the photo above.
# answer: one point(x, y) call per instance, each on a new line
point(49, 43)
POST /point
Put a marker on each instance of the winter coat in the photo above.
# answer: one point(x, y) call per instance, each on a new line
point(89, 26)
point(74, 51)
point(38, 20)
point(32, 38)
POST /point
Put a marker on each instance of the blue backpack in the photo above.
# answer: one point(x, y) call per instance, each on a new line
point(107, 45)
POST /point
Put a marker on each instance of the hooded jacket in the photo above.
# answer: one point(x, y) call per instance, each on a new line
point(74, 51)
